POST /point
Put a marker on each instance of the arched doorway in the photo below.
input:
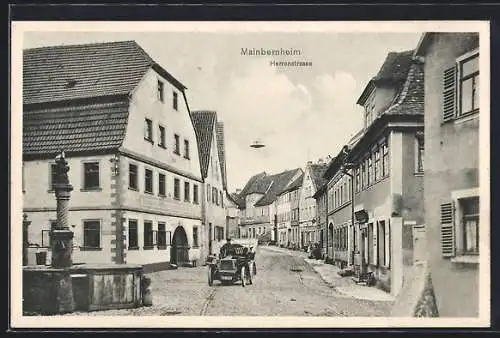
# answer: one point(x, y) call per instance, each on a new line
point(179, 253)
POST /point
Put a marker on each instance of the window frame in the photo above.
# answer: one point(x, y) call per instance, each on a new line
point(175, 100)
point(162, 136)
point(160, 90)
point(136, 188)
point(162, 246)
point(195, 194)
point(147, 245)
point(84, 181)
point(177, 145)
point(162, 188)
point(457, 196)
point(85, 247)
point(146, 191)
point(475, 75)
point(136, 247)
point(148, 130)
point(187, 190)
point(177, 189)
point(186, 149)
point(419, 153)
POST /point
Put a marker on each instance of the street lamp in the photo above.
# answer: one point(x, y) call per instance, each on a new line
point(344, 169)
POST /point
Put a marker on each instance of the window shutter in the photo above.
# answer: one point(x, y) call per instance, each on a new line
point(447, 230)
point(387, 244)
point(449, 93)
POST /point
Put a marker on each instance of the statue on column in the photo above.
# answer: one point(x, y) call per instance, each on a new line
point(62, 169)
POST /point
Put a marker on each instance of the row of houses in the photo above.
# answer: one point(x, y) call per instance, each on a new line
point(280, 208)
point(148, 174)
point(405, 188)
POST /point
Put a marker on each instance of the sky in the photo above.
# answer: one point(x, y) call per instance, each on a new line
point(300, 113)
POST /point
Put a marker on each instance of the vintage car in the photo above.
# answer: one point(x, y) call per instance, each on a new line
point(239, 265)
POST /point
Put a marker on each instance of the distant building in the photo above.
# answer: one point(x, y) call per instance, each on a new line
point(210, 136)
point(451, 169)
point(309, 225)
point(287, 205)
point(232, 217)
point(124, 124)
point(257, 203)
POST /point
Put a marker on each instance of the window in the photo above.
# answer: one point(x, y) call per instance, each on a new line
point(177, 146)
point(377, 165)
point(195, 193)
point(148, 235)
point(420, 153)
point(133, 242)
point(161, 137)
point(186, 149)
point(92, 234)
point(162, 236)
point(132, 176)
point(461, 87)
point(148, 130)
point(469, 85)
point(195, 237)
point(177, 189)
point(174, 100)
point(161, 184)
point(208, 192)
point(470, 224)
point(53, 176)
point(160, 91)
point(91, 175)
point(186, 192)
point(148, 181)
point(214, 195)
point(221, 199)
point(385, 159)
point(369, 259)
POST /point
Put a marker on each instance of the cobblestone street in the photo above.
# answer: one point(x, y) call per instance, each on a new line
point(277, 291)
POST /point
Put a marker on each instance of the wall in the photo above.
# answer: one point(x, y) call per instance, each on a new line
point(41, 221)
point(38, 193)
point(451, 163)
point(145, 104)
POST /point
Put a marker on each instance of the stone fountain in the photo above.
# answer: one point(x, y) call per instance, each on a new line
point(65, 287)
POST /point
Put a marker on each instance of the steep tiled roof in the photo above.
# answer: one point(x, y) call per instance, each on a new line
point(317, 171)
point(221, 148)
point(395, 66)
point(394, 69)
point(245, 191)
point(70, 72)
point(92, 127)
point(204, 122)
point(410, 100)
point(293, 185)
point(278, 183)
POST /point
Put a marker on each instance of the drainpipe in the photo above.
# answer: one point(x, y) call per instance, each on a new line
point(345, 167)
point(326, 233)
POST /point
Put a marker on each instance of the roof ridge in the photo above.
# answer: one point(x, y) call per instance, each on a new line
point(84, 44)
point(403, 94)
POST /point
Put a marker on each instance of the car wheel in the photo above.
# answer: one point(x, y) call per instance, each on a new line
point(210, 277)
point(243, 276)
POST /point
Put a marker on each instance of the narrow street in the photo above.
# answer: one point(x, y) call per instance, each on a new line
point(277, 291)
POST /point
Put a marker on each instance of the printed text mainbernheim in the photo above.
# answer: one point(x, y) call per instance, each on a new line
point(270, 52)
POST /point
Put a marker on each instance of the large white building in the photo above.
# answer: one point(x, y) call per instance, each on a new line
point(210, 135)
point(124, 124)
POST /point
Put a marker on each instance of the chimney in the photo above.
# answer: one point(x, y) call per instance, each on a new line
point(320, 161)
point(238, 191)
point(309, 162)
